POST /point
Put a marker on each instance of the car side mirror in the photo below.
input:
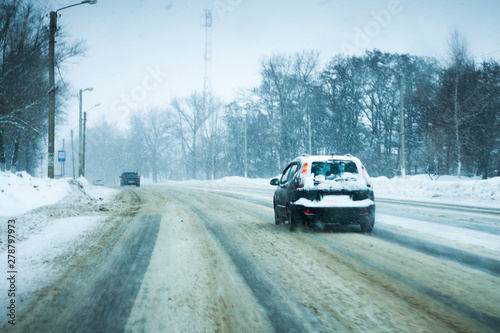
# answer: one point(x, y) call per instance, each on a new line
point(275, 181)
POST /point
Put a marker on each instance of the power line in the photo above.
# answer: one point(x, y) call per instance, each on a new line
point(64, 83)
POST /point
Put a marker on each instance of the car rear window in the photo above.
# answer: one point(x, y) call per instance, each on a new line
point(333, 169)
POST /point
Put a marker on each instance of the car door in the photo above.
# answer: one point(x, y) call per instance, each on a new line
point(280, 194)
point(291, 184)
point(285, 187)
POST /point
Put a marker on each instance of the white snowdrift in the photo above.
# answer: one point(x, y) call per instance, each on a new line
point(20, 193)
point(446, 189)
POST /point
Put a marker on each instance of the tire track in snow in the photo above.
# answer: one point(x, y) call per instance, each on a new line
point(100, 296)
point(491, 321)
point(274, 300)
point(488, 265)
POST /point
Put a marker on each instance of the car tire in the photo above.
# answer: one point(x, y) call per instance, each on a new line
point(277, 219)
point(367, 225)
point(292, 220)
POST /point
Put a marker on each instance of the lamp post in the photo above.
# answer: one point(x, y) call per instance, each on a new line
point(52, 85)
point(401, 119)
point(80, 133)
point(84, 136)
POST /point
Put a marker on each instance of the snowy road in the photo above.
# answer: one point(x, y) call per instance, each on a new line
point(208, 260)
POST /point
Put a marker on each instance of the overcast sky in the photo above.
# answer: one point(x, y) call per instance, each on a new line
point(142, 53)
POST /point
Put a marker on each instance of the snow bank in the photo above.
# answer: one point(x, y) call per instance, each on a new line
point(20, 192)
point(446, 189)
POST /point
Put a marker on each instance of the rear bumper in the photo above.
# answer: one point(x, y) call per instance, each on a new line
point(337, 215)
point(130, 182)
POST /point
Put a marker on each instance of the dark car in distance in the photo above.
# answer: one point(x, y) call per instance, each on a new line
point(130, 178)
point(324, 190)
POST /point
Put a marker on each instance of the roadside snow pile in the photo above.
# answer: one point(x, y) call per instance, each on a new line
point(20, 192)
point(446, 189)
point(54, 220)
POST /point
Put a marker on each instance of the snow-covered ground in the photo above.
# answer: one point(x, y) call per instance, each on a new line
point(51, 220)
point(446, 189)
point(53, 217)
point(21, 192)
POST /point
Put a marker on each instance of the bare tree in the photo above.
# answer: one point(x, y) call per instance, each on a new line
point(23, 82)
point(460, 60)
point(155, 129)
point(191, 115)
point(284, 91)
point(211, 131)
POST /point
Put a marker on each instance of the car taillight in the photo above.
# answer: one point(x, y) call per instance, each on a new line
point(138, 176)
point(304, 169)
point(365, 175)
point(123, 177)
point(300, 180)
point(308, 212)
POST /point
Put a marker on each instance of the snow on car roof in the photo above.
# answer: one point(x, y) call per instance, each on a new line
point(325, 158)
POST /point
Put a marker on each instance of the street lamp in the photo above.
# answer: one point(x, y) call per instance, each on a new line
point(84, 136)
point(80, 133)
point(402, 118)
point(52, 86)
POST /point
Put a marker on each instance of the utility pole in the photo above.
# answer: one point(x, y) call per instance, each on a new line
point(80, 135)
point(52, 85)
point(85, 136)
point(52, 92)
point(72, 154)
point(310, 136)
point(84, 133)
point(246, 162)
point(63, 171)
point(81, 171)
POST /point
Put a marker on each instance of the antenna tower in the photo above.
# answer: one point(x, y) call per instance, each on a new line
point(206, 21)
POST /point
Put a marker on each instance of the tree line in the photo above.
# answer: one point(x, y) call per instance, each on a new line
point(24, 84)
point(350, 106)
